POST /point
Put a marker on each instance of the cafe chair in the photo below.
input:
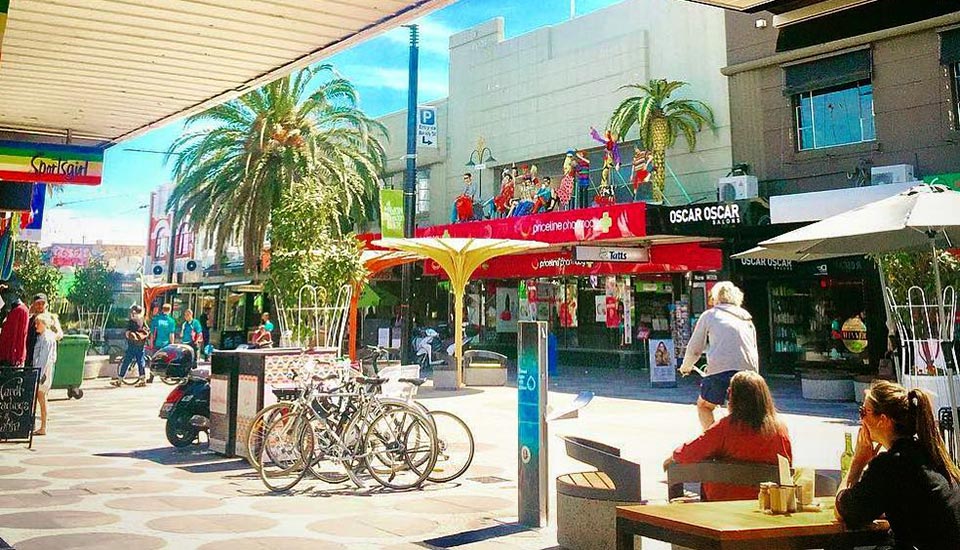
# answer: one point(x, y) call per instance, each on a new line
point(737, 473)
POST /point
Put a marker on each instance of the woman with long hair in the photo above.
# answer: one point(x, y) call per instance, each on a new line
point(752, 432)
point(914, 481)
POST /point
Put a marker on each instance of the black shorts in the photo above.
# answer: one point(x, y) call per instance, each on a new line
point(713, 388)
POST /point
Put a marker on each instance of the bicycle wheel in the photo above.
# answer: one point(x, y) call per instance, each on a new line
point(400, 448)
point(258, 428)
point(325, 464)
point(454, 447)
point(132, 375)
point(286, 452)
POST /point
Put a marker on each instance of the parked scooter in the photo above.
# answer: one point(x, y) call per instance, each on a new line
point(427, 345)
point(187, 411)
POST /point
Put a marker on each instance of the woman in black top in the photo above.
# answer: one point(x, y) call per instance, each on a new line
point(914, 482)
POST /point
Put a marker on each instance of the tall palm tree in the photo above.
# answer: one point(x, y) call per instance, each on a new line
point(660, 121)
point(234, 161)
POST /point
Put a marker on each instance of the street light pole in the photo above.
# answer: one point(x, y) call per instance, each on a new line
point(409, 193)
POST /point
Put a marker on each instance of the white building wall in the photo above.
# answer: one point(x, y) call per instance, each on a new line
point(536, 95)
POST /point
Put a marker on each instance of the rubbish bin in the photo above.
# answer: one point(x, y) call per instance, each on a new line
point(68, 371)
point(553, 355)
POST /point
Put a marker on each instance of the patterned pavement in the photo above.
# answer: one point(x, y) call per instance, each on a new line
point(105, 477)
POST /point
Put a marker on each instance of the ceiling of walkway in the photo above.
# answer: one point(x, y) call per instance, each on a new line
point(110, 70)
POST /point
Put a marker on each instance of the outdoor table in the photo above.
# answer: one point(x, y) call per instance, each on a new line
point(740, 525)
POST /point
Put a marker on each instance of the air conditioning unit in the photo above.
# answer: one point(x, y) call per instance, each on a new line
point(895, 173)
point(157, 269)
point(191, 265)
point(735, 188)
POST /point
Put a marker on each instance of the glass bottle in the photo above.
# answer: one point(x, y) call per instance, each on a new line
point(846, 459)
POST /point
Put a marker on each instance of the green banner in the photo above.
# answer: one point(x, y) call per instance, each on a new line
point(951, 180)
point(391, 213)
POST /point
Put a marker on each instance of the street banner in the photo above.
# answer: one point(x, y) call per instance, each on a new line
point(31, 231)
point(663, 365)
point(391, 213)
point(27, 162)
point(427, 135)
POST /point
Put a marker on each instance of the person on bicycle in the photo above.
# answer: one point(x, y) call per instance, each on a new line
point(191, 333)
point(163, 327)
point(137, 335)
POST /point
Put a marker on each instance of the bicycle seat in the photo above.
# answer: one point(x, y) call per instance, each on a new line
point(414, 381)
point(370, 381)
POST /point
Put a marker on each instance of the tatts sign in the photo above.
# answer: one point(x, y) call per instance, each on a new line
point(50, 163)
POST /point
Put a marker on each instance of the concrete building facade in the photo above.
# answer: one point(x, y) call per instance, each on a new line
point(535, 96)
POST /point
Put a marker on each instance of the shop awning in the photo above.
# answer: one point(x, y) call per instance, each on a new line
point(109, 70)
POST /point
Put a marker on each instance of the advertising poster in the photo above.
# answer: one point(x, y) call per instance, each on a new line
point(507, 309)
point(601, 308)
point(567, 305)
point(391, 213)
point(612, 302)
point(663, 364)
point(627, 298)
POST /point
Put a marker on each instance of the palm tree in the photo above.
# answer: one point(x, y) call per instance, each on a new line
point(234, 161)
point(660, 121)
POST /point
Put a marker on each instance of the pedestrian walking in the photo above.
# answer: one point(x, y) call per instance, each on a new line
point(44, 358)
point(163, 328)
point(191, 333)
point(205, 329)
point(137, 336)
point(38, 307)
point(727, 335)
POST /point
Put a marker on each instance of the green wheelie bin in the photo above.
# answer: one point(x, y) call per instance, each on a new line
point(68, 371)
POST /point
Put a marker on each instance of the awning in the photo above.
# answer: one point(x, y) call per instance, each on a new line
point(209, 287)
point(109, 70)
point(238, 283)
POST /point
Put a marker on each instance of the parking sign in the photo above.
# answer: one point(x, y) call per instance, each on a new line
point(427, 126)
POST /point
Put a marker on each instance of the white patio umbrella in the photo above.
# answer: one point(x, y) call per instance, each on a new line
point(925, 216)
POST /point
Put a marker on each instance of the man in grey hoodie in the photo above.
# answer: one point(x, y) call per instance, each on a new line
point(727, 335)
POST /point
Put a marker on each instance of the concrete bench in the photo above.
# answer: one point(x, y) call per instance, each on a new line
point(587, 501)
point(484, 368)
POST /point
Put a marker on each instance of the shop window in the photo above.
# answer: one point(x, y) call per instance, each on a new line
point(832, 100)
point(955, 85)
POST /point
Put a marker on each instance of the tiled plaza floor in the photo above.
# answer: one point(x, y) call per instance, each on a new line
point(105, 477)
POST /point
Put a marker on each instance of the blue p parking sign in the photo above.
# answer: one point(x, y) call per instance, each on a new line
point(427, 126)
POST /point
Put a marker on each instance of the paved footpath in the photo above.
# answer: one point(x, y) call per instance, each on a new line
point(105, 477)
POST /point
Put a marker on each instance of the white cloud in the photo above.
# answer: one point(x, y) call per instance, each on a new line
point(429, 82)
point(63, 225)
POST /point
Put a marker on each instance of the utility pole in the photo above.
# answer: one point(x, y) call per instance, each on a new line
point(409, 193)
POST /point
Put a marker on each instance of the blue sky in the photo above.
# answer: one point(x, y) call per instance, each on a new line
point(113, 212)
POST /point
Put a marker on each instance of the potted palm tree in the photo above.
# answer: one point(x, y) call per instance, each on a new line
point(660, 120)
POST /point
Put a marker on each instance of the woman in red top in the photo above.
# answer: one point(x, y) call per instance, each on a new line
point(750, 433)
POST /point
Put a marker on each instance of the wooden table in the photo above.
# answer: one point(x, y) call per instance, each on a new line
point(739, 525)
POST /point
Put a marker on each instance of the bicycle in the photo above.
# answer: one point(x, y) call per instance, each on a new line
point(349, 427)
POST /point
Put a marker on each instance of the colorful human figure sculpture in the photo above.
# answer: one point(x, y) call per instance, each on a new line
point(610, 146)
point(642, 168)
point(565, 190)
point(544, 198)
point(605, 195)
point(583, 176)
point(504, 201)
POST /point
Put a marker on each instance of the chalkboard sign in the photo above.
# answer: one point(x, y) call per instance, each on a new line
point(18, 391)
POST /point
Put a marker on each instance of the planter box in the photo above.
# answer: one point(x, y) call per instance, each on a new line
point(826, 385)
point(98, 366)
point(445, 376)
point(494, 375)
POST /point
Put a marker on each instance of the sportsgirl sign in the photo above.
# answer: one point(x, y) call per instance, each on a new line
point(672, 258)
point(619, 221)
